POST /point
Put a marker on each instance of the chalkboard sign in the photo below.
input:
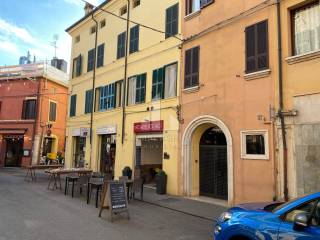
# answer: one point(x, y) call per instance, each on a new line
point(114, 198)
point(118, 197)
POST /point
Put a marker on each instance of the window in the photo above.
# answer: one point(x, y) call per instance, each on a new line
point(102, 23)
point(107, 97)
point(257, 58)
point(191, 76)
point(254, 145)
point(158, 84)
point(0, 105)
point(77, 39)
point(136, 3)
point(29, 109)
point(305, 208)
point(315, 221)
point(170, 80)
point(52, 111)
point(121, 45)
point(137, 89)
point(73, 105)
point(195, 5)
point(93, 29)
point(134, 39)
point(100, 57)
point(164, 82)
point(306, 29)
point(88, 102)
point(77, 66)
point(172, 20)
point(90, 60)
point(123, 10)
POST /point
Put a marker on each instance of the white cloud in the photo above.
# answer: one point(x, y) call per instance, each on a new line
point(9, 47)
point(11, 30)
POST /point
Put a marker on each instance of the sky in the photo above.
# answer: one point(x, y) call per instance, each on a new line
point(30, 25)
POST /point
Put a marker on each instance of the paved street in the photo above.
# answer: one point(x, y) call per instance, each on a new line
point(30, 211)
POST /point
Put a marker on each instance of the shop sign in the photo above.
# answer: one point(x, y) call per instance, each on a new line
point(14, 136)
point(107, 130)
point(148, 127)
point(84, 132)
point(75, 132)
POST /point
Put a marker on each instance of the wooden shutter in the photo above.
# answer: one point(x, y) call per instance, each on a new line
point(262, 45)
point(257, 47)
point(188, 6)
point(73, 105)
point(195, 66)
point(192, 67)
point(250, 49)
point(187, 70)
point(172, 20)
point(100, 58)
point(134, 39)
point(24, 106)
point(90, 65)
point(143, 87)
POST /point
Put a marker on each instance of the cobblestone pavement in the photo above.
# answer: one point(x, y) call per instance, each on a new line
point(28, 211)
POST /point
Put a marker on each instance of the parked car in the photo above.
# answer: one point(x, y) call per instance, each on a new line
point(297, 219)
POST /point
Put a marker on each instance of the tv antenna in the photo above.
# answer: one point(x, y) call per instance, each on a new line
point(54, 44)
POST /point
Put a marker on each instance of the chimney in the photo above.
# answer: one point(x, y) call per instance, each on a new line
point(88, 8)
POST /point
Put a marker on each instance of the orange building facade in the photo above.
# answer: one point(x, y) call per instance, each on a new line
point(228, 96)
point(33, 104)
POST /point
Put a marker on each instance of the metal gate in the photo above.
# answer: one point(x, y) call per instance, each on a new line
point(214, 171)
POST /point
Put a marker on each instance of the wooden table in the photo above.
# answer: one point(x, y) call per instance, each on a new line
point(54, 175)
point(31, 170)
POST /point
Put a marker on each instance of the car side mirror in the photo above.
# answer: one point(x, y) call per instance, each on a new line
point(301, 220)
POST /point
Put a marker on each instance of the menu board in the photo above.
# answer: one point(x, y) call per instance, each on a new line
point(118, 195)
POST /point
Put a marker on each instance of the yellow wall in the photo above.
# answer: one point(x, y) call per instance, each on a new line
point(154, 52)
point(302, 77)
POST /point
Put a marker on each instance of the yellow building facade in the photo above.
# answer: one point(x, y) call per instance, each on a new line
point(144, 134)
point(300, 30)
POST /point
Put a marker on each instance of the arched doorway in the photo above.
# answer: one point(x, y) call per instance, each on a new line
point(213, 165)
point(195, 133)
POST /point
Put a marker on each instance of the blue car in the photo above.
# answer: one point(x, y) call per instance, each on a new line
point(297, 219)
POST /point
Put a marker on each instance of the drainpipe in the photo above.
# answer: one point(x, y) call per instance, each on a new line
point(280, 112)
point(125, 77)
point(93, 87)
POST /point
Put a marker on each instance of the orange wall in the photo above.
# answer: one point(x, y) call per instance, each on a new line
point(57, 93)
point(225, 94)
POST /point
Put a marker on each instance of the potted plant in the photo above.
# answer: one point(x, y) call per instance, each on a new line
point(127, 172)
point(161, 182)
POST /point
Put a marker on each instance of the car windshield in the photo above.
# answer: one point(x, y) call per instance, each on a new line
point(286, 204)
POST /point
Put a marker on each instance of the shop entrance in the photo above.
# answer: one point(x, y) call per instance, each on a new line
point(149, 155)
point(79, 151)
point(108, 153)
point(213, 165)
point(14, 148)
point(47, 146)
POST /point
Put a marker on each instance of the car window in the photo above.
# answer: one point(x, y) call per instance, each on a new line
point(305, 208)
point(315, 221)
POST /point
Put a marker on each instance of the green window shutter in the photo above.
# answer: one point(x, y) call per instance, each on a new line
point(89, 101)
point(73, 105)
point(154, 83)
point(100, 57)
point(143, 86)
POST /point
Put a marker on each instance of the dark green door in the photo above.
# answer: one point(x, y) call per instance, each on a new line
point(213, 165)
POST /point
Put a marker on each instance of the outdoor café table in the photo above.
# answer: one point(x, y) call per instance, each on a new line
point(96, 183)
point(54, 175)
point(31, 170)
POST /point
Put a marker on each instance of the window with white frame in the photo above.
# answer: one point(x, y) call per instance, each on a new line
point(254, 144)
point(195, 5)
